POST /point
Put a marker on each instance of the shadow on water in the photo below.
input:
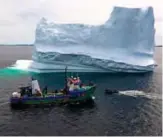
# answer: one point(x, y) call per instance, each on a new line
point(110, 80)
point(119, 81)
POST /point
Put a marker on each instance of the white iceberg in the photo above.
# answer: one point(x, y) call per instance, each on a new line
point(125, 43)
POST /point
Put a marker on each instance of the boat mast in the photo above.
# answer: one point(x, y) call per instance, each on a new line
point(66, 77)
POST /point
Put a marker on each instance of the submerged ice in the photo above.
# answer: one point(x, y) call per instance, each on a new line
point(124, 43)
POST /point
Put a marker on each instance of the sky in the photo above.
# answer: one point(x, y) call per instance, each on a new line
point(18, 18)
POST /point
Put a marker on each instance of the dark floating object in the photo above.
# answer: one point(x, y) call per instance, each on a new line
point(111, 91)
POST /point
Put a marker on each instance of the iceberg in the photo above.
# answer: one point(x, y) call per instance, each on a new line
point(124, 43)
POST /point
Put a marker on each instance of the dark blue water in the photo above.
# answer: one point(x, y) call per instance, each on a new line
point(117, 114)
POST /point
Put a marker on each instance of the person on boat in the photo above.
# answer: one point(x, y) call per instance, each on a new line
point(56, 91)
point(25, 91)
point(63, 91)
point(76, 86)
point(45, 90)
point(78, 83)
point(75, 80)
point(22, 91)
point(78, 80)
point(73, 83)
point(71, 86)
point(29, 90)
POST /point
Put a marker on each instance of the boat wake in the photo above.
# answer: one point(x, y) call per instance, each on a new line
point(136, 93)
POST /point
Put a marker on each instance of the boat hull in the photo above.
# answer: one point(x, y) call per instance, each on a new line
point(75, 96)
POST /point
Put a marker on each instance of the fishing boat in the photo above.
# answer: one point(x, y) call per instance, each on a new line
point(73, 92)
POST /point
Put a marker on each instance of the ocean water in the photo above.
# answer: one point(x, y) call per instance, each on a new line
point(136, 110)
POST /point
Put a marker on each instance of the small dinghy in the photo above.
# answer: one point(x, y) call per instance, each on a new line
point(73, 92)
point(111, 91)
